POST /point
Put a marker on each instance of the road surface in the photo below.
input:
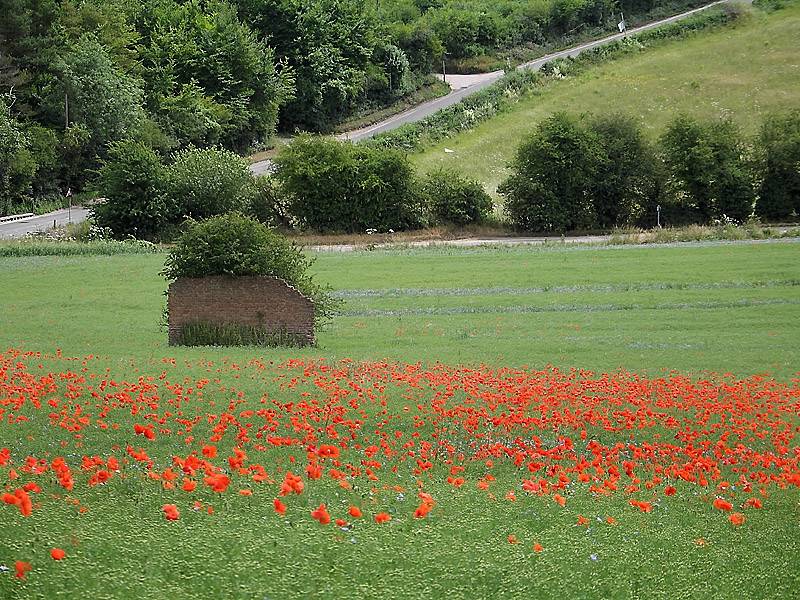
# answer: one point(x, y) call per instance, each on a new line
point(18, 229)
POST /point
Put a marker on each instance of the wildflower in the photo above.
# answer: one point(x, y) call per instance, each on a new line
point(280, 507)
point(57, 554)
point(737, 518)
point(383, 517)
point(537, 547)
point(171, 512)
point(355, 512)
point(722, 504)
point(321, 514)
point(21, 568)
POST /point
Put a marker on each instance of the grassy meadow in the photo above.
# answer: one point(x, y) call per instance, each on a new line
point(692, 307)
point(740, 72)
point(484, 529)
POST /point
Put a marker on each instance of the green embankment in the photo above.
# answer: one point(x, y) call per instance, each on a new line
point(742, 72)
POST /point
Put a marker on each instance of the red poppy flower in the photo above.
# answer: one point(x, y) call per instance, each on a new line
point(670, 490)
point(722, 504)
point(355, 512)
point(582, 520)
point(737, 518)
point(280, 507)
point(537, 547)
point(321, 514)
point(171, 512)
point(383, 517)
point(22, 568)
point(57, 554)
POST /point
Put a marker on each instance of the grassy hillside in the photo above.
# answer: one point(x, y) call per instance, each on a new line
point(742, 72)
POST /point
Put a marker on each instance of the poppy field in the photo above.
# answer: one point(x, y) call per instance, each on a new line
point(251, 473)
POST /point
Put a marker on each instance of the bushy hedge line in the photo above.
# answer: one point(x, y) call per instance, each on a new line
point(320, 184)
point(600, 172)
point(502, 94)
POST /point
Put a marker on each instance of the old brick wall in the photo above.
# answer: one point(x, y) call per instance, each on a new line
point(256, 301)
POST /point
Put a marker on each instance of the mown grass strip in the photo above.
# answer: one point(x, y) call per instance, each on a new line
point(464, 310)
point(524, 291)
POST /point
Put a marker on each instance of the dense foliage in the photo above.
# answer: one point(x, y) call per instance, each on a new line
point(332, 186)
point(79, 76)
point(600, 172)
point(454, 199)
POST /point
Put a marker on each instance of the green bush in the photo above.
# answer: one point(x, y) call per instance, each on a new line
point(553, 174)
point(779, 166)
point(234, 244)
point(629, 179)
point(708, 168)
point(333, 186)
point(17, 164)
point(454, 199)
point(132, 181)
point(267, 203)
point(204, 183)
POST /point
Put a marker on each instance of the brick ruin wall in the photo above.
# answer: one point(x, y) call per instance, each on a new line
point(253, 301)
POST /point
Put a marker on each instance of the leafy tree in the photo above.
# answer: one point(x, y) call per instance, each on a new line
point(554, 170)
point(779, 166)
point(708, 167)
point(335, 186)
point(101, 96)
point(205, 182)
point(208, 76)
point(328, 44)
point(17, 164)
point(455, 199)
point(132, 181)
point(627, 183)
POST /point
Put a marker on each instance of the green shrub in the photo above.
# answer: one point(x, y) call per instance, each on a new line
point(333, 186)
point(629, 182)
point(553, 173)
point(708, 168)
point(132, 181)
point(267, 203)
point(204, 183)
point(455, 199)
point(779, 166)
point(234, 244)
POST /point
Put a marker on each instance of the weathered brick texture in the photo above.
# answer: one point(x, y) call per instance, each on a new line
point(255, 301)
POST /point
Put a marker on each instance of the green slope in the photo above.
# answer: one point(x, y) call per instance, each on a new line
point(741, 72)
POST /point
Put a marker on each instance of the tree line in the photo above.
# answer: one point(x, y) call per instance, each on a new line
point(600, 171)
point(77, 76)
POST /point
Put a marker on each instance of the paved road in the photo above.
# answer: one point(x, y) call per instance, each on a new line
point(467, 87)
point(18, 229)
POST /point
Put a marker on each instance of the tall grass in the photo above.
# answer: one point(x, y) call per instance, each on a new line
point(38, 247)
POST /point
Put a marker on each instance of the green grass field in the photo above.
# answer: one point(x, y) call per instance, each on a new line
point(741, 72)
point(688, 307)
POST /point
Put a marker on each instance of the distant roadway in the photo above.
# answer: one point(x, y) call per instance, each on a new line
point(477, 83)
point(464, 85)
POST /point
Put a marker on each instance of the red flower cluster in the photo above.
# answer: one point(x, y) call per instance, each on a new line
point(348, 426)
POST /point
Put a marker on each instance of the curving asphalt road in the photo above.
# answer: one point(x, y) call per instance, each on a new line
point(477, 83)
point(21, 227)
